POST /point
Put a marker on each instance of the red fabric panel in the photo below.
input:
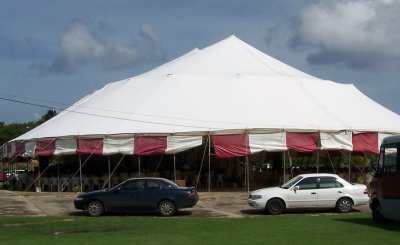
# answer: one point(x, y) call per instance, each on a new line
point(90, 146)
point(45, 147)
point(147, 145)
point(19, 148)
point(303, 142)
point(233, 145)
point(366, 142)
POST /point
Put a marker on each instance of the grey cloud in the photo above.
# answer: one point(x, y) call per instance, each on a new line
point(85, 42)
point(357, 34)
point(149, 40)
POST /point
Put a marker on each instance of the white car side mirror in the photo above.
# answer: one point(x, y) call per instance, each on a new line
point(296, 188)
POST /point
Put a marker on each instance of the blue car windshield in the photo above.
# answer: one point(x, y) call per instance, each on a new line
point(291, 182)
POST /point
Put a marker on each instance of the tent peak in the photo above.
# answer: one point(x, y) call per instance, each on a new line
point(229, 85)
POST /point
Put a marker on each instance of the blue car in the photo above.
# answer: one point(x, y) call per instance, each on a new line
point(138, 195)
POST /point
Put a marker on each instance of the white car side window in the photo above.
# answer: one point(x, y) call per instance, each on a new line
point(308, 183)
point(328, 182)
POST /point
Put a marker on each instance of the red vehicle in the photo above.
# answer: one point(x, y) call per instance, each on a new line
point(3, 176)
point(385, 184)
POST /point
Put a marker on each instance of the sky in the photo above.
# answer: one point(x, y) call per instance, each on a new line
point(53, 52)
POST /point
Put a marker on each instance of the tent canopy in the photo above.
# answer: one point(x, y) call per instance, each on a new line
point(228, 88)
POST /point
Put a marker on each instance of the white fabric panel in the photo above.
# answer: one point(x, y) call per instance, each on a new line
point(381, 136)
point(3, 151)
point(30, 147)
point(118, 145)
point(11, 153)
point(336, 141)
point(267, 142)
point(176, 144)
point(65, 146)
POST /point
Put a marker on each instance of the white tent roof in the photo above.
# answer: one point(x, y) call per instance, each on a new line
point(227, 87)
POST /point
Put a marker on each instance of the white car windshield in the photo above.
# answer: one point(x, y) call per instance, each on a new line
point(291, 182)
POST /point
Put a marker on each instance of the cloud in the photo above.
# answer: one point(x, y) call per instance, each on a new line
point(357, 34)
point(85, 42)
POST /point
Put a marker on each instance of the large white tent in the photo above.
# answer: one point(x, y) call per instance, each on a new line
point(245, 100)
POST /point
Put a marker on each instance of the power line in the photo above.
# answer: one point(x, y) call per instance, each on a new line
point(115, 111)
point(104, 116)
point(33, 99)
point(27, 103)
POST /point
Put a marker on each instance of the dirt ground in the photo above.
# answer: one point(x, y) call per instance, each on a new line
point(211, 204)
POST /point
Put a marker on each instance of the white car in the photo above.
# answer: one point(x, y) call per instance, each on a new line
point(310, 191)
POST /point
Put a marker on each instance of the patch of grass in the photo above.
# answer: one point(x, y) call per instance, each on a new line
point(285, 229)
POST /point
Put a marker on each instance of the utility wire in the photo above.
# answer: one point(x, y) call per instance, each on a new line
point(122, 112)
point(27, 103)
point(104, 116)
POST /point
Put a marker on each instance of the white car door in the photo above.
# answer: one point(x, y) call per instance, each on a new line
point(304, 194)
point(329, 191)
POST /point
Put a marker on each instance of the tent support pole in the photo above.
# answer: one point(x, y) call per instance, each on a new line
point(209, 163)
point(350, 166)
point(174, 169)
point(109, 172)
point(248, 174)
point(40, 177)
point(290, 165)
point(284, 167)
point(80, 172)
point(245, 172)
point(139, 166)
point(317, 161)
point(58, 177)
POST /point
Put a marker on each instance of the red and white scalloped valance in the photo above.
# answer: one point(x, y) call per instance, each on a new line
point(141, 145)
point(225, 146)
point(236, 145)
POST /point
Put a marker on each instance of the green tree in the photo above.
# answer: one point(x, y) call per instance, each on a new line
point(11, 131)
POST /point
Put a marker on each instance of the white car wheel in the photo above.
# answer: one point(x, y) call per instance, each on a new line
point(344, 205)
point(275, 206)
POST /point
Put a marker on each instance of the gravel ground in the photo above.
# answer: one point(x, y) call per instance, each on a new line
point(211, 204)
